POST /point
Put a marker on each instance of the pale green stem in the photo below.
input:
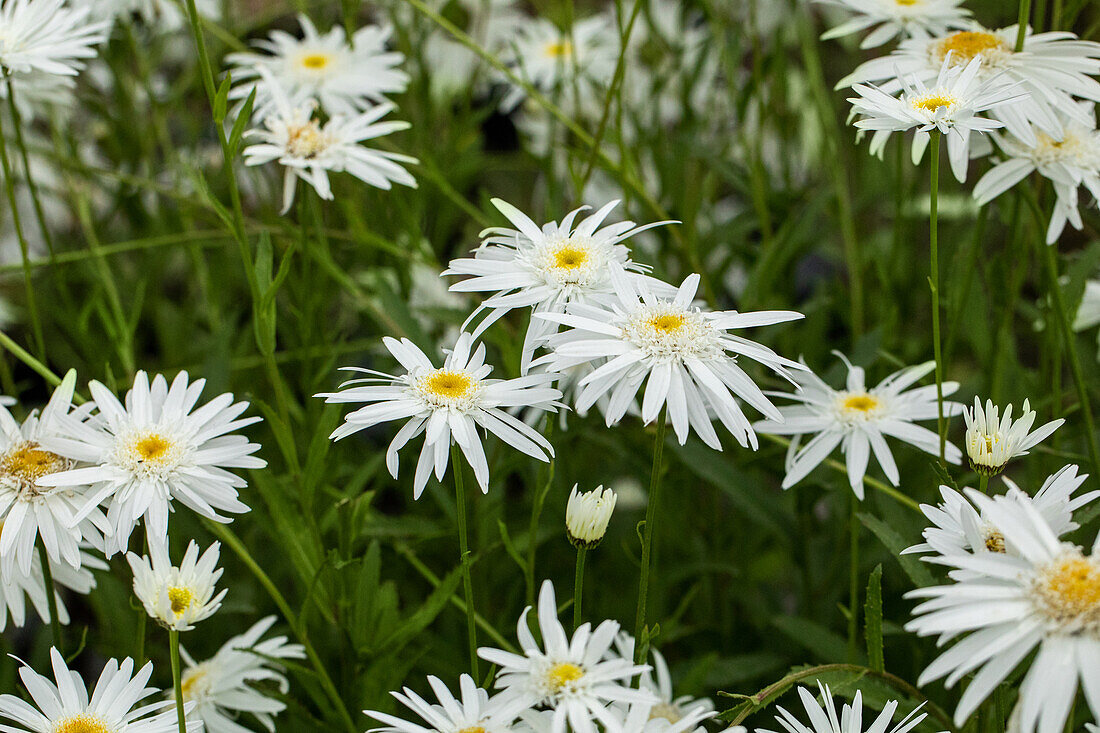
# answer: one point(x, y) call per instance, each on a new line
point(933, 234)
point(177, 678)
point(641, 648)
point(464, 558)
point(578, 587)
point(1021, 31)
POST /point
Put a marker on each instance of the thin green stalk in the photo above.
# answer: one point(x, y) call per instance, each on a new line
point(27, 358)
point(464, 558)
point(1021, 31)
point(536, 512)
point(578, 587)
point(983, 483)
point(933, 234)
point(641, 647)
point(853, 579)
point(177, 678)
point(51, 597)
point(32, 187)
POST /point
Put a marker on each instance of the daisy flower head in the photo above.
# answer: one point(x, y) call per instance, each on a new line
point(575, 677)
point(447, 404)
point(545, 268)
point(177, 597)
point(152, 450)
point(473, 710)
point(29, 511)
point(669, 707)
point(587, 516)
point(309, 149)
point(642, 717)
point(859, 419)
point(992, 439)
point(223, 687)
point(344, 78)
point(47, 35)
point(1045, 597)
point(890, 19)
point(118, 704)
point(687, 357)
point(823, 717)
point(16, 588)
point(950, 105)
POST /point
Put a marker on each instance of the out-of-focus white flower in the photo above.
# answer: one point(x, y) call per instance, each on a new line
point(890, 19)
point(47, 35)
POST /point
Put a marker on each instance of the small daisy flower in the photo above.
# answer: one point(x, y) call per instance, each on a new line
point(658, 680)
point(473, 711)
point(858, 420)
point(823, 718)
point(587, 516)
point(222, 687)
point(16, 588)
point(574, 677)
point(47, 35)
point(177, 597)
point(118, 704)
point(545, 268)
point(310, 150)
point(1043, 598)
point(156, 449)
point(447, 404)
point(890, 19)
point(950, 105)
point(686, 356)
point(993, 440)
point(642, 717)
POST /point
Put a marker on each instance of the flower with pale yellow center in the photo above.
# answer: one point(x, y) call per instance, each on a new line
point(177, 597)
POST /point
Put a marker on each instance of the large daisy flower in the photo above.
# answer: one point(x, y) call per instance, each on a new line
point(47, 35)
point(823, 718)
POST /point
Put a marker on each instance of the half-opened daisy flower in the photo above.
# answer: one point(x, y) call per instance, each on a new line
point(156, 449)
point(574, 676)
point(686, 356)
point(29, 511)
point(474, 710)
point(587, 515)
point(545, 268)
point(448, 404)
point(890, 19)
point(992, 440)
point(1043, 598)
point(950, 105)
point(823, 718)
point(310, 150)
point(858, 419)
point(223, 687)
point(177, 597)
point(47, 35)
point(958, 527)
point(344, 78)
point(16, 588)
point(118, 704)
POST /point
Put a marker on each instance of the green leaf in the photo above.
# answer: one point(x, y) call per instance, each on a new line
point(423, 616)
point(239, 125)
point(221, 99)
point(914, 568)
point(872, 615)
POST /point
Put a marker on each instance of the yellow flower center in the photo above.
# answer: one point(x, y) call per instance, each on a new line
point(152, 447)
point(665, 710)
point(965, 45)
point(860, 403)
point(668, 323)
point(306, 141)
point(180, 598)
point(933, 102)
point(315, 61)
point(561, 675)
point(191, 679)
point(907, 2)
point(569, 257)
point(26, 463)
point(449, 384)
point(995, 541)
point(473, 729)
point(559, 49)
point(1067, 591)
point(83, 723)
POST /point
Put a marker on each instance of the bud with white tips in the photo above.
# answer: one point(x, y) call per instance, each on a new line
point(992, 440)
point(587, 516)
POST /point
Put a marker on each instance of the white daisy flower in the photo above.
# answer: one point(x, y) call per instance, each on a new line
point(1052, 69)
point(1069, 163)
point(309, 150)
point(823, 718)
point(118, 704)
point(658, 680)
point(29, 511)
point(687, 355)
point(642, 717)
point(890, 19)
point(545, 268)
point(47, 35)
point(447, 404)
point(156, 449)
point(572, 676)
point(587, 516)
point(993, 440)
point(1043, 598)
point(474, 711)
point(858, 420)
point(16, 588)
point(449, 66)
point(222, 687)
point(177, 597)
point(950, 105)
point(344, 78)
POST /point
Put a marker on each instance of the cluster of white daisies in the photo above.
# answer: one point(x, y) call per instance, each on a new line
point(1033, 93)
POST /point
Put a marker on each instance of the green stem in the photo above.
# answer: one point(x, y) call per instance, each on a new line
point(51, 597)
point(641, 647)
point(853, 579)
point(983, 483)
point(464, 558)
point(578, 587)
point(1021, 31)
point(177, 678)
point(933, 234)
point(32, 187)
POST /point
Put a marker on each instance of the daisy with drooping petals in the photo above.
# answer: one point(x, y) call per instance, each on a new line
point(993, 440)
point(222, 687)
point(573, 677)
point(950, 105)
point(16, 588)
point(1045, 597)
point(545, 268)
point(474, 711)
point(858, 420)
point(177, 597)
point(686, 356)
point(345, 79)
point(823, 718)
point(890, 19)
point(156, 449)
point(118, 703)
point(448, 405)
point(47, 35)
